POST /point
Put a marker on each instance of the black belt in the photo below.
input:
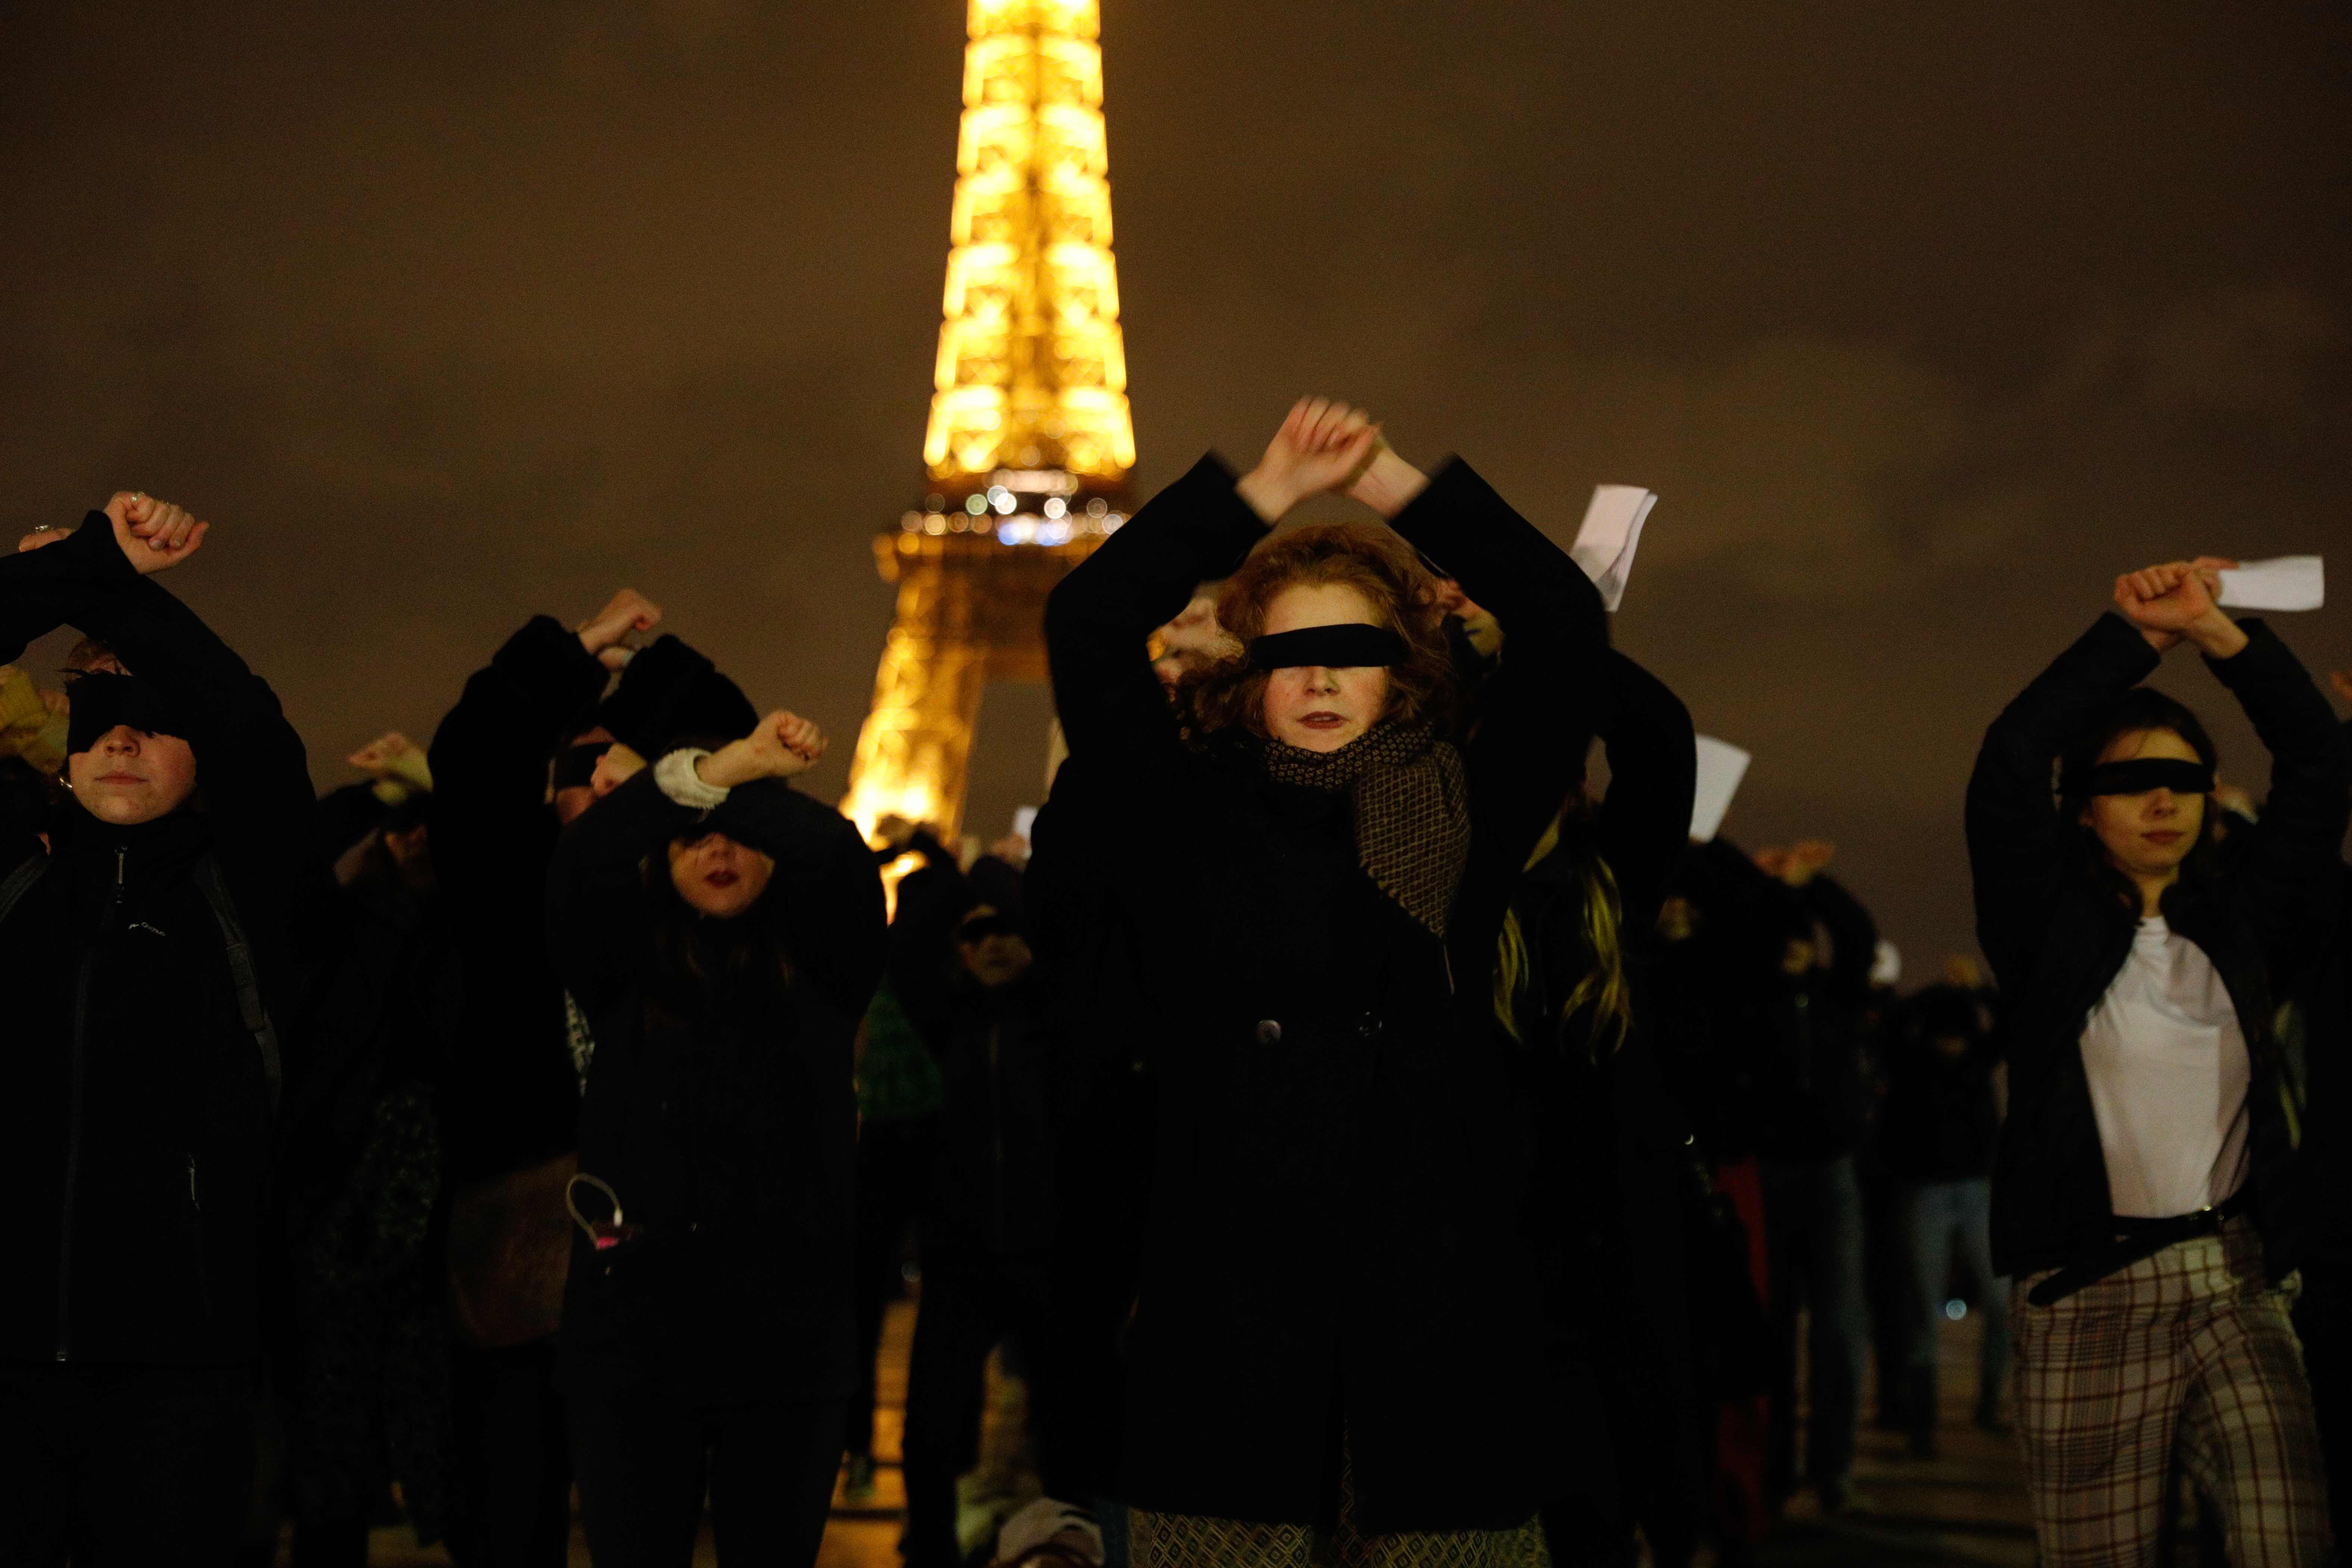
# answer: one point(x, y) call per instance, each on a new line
point(2136, 1239)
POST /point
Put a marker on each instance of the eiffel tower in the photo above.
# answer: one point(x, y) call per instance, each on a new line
point(1029, 445)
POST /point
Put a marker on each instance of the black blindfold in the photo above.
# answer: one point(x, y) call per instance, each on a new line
point(2141, 775)
point(575, 766)
point(101, 699)
point(1350, 644)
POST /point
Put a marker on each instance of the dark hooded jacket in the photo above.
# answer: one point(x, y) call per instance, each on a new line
point(1339, 1227)
point(720, 1112)
point(2056, 935)
point(136, 1124)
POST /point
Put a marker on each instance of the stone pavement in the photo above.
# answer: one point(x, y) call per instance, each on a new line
point(1966, 1507)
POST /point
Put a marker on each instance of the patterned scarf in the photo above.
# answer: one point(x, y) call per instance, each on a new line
point(1411, 805)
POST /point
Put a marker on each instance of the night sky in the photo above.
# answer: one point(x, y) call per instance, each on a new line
point(1925, 321)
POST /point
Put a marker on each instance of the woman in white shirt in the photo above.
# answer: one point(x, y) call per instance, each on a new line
point(2141, 1195)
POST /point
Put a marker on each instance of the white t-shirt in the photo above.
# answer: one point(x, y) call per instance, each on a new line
point(2169, 1073)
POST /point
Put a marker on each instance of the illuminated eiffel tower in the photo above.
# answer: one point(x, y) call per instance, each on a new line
point(1029, 445)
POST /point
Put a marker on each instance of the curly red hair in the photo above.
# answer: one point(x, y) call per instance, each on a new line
point(1374, 562)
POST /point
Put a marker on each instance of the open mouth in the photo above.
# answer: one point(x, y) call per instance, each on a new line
point(721, 879)
point(1323, 721)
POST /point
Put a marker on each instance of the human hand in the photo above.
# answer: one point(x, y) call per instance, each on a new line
point(154, 535)
point(394, 756)
point(625, 612)
point(615, 767)
point(2175, 600)
point(1805, 859)
point(1323, 445)
point(165, 535)
point(1772, 860)
point(782, 744)
point(2342, 680)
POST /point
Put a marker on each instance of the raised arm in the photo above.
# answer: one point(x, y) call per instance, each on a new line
point(493, 831)
point(1552, 692)
point(1645, 826)
point(2016, 846)
point(2292, 861)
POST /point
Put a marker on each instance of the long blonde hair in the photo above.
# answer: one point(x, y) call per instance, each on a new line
point(1603, 991)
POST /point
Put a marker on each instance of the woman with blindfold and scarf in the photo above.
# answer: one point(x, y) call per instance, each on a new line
point(1338, 1341)
point(723, 934)
point(2141, 1195)
point(177, 908)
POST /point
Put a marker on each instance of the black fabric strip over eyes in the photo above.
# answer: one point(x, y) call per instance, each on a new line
point(1348, 645)
point(102, 699)
point(575, 766)
point(2143, 775)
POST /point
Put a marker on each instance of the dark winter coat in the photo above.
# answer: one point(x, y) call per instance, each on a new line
point(1339, 1227)
point(2056, 937)
point(136, 1126)
point(1613, 1155)
point(1814, 1028)
point(991, 1188)
point(724, 1115)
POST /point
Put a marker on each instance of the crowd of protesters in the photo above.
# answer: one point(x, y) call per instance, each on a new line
point(1371, 1136)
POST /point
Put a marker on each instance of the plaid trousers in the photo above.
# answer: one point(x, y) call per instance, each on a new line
point(2185, 1358)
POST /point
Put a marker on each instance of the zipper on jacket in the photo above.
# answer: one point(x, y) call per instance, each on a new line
point(74, 1105)
point(197, 1234)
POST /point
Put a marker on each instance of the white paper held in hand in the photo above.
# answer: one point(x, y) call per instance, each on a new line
point(1609, 535)
point(1721, 766)
point(2286, 583)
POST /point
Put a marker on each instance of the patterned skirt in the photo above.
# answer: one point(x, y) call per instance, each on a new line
point(1194, 1541)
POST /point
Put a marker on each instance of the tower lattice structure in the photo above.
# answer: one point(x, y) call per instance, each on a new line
point(1029, 445)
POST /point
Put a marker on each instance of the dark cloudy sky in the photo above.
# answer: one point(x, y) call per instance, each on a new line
point(1925, 321)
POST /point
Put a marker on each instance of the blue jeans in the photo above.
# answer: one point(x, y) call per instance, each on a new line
point(1940, 1218)
point(1812, 1227)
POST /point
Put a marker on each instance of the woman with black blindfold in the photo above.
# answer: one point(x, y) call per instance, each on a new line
point(723, 933)
point(142, 958)
point(1337, 1289)
point(2140, 1192)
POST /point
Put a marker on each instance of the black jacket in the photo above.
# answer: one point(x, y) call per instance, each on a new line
point(134, 1120)
point(992, 1189)
point(1339, 1220)
point(1812, 1029)
point(2056, 937)
point(725, 1119)
point(510, 1097)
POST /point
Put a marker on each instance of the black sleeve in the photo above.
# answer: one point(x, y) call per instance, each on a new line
point(662, 682)
point(58, 584)
point(255, 775)
point(1644, 826)
point(345, 816)
point(2289, 869)
point(1100, 618)
point(1550, 694)
point(2016, 845)
point(493, 831)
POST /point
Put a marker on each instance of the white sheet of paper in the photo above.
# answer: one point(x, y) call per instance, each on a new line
point(1609, 535)
point(2288, 582)
point(1025, 817)
point(1721, 766)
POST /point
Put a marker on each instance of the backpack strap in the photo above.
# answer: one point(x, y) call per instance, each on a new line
point(239, 953)
point(20, 882)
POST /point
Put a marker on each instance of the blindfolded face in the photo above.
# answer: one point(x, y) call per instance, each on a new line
point(1319, 707)
point(717, 876)
point(128, 777)
point(2149, 831)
